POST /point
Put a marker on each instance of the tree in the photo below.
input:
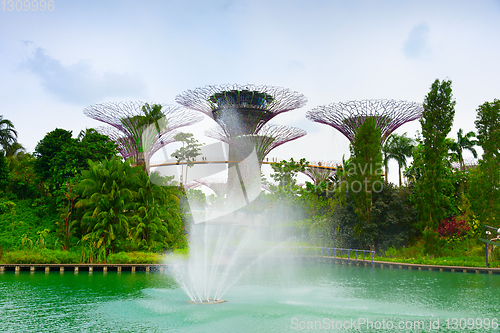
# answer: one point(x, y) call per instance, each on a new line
point(59, 157)
point(107, 191)
point(24, 180)
point(398, 147)
point(463, 143)
point(157, 222)
point(286, 171)
point(365, 172)
point(485, 181)
point(8, 134)
point(66, 223)
point(430, 192)
point(188, 152)
point(135, 128)
point(50, 159)
point(14, 149)
point(387, 155)
point(123, 210)
point(4, 172)
point(395, 217)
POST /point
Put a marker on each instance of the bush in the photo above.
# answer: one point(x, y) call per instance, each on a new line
point(42, 256)
point(453, 228)
point(135, 258)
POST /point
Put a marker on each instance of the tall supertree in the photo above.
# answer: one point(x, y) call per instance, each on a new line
point(242, 111)
point(347, 117)
point(139, 128)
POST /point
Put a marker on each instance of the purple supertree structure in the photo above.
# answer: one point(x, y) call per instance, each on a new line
point(144, 127)
point(241, 109)
point(320, 171)
point(269, 137)
point(127, 146)
point(218, 186)
point(347, 117)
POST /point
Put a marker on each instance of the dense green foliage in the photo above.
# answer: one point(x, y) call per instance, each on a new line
point(485, 180)
point(8, 135)
point(431, 191)
point(399, 148)
point(60, 158)
point(187, 153)
point(125, 211)
point(74, 200)
point(364, 176)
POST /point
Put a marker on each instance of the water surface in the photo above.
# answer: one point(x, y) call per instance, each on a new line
point(272, 297)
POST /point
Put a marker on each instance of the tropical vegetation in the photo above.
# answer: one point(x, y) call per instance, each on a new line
point(75, 200)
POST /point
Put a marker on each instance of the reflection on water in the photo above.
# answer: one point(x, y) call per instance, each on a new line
point(270, 298)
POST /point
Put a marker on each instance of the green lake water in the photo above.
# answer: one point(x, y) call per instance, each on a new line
point(282, 297)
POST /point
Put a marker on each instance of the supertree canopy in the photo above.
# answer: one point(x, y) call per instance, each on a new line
point(127, 145)
point(140, 129)
point(269, 137)
point(241, 109)
point(347, 117)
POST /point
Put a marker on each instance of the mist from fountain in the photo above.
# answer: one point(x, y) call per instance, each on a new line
point(224, 242)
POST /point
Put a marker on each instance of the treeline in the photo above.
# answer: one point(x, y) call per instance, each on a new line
point(76, 194)
point(444, 205)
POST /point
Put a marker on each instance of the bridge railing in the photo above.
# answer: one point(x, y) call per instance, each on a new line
point(311, 251)
point(333, 252)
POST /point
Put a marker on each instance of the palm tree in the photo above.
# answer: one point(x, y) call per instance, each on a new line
point(14, 149)
point(8, 135)
point(157, 222)
point(463, 143)
point(398, 147)
point(387, 154)
point(136, 127)
point(107, 192)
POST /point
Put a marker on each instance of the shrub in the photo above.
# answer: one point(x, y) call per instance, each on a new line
point(453, 228)
point(41, 256)
point(135, 258)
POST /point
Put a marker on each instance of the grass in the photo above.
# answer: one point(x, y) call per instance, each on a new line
point(40, 256)
point(452, 255)
point(462, 254)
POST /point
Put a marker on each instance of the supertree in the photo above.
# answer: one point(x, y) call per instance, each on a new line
point(218, 186)
point(269, 137)
point(242, 111)
point(144, 128)
point(127, 145)
point(320, 171)
point(347, 117)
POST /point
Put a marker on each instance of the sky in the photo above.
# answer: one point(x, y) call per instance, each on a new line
point(55, 63)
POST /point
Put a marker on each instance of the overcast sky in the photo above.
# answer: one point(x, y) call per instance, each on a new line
point(55, 63)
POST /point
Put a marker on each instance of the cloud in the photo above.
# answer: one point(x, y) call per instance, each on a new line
point(417, 42)
point(78, 83)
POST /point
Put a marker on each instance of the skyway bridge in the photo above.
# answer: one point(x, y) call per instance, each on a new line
point(326, 165)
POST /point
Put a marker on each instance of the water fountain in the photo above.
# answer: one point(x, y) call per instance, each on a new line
point(225, 242)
